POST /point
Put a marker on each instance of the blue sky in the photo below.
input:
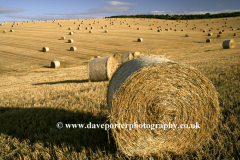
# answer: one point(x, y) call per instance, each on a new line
point(24, 10)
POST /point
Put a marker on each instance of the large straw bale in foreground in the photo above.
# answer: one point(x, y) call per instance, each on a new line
point(157, 91)
point(102, 68)
point(227, 44)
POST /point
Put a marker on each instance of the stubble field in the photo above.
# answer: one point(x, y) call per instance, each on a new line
point(34, 97)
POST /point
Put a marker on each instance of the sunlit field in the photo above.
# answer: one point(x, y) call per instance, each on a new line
point(34, 97)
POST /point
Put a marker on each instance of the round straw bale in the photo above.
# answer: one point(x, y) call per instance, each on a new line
point(102, 68)
point(140, 39)
point(182, 29)
point(138, 28)
point(186, 35)
point(45, 49)
point(126, 57)
point(4, 31)
point(87, 28)
point(73, 48)
point(62, 38)
point(204, 30)
point(117, 56)
point(148, 91)
point(175, 29)
point(235, 34)
point(106, 31)
point(69, 28)
point(79, 28)
point(218, 35)
point(136, 54)
point(70, 41)
point(90, 31)
point(106, 25)
point(71, 33)
point(208, 41)
point(55, 64)
point(220, 32)
point(166, 29)
point(227, 44)
point(209, 34)
point(1, 24)
point(92, 27)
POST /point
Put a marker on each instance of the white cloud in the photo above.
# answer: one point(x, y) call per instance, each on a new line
point(117, 3)
point(189, 13)
point(8, 10)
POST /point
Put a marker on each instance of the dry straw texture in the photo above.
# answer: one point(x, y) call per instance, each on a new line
point(55, 64)
point(117, 56)
point(45, 49)
point(228, 44)
point(158, 91)
point(102, 68)
point(126, 57)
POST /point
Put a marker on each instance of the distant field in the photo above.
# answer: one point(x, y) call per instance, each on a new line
point(34, 97)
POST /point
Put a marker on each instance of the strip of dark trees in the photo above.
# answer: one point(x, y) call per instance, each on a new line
point(180, 17)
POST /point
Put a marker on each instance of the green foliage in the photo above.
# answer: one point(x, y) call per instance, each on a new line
point(180, 17)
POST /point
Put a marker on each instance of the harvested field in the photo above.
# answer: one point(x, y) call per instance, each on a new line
point(34, 97)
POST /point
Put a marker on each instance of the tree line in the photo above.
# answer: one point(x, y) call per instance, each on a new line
point(180, 17)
